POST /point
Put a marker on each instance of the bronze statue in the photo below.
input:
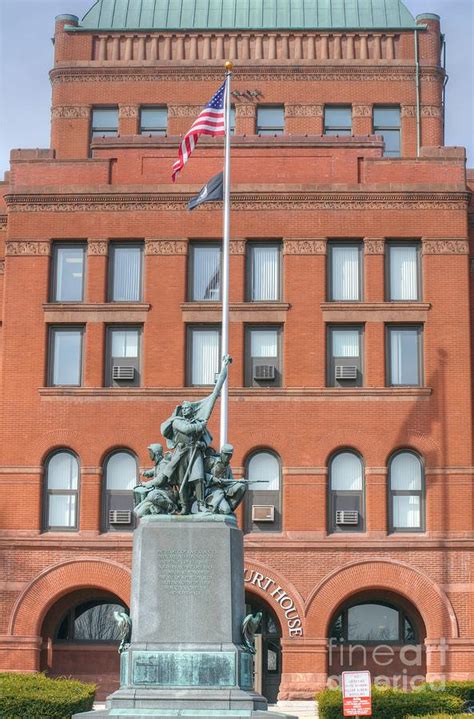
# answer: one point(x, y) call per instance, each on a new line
point(193, 477)
point(223, 494)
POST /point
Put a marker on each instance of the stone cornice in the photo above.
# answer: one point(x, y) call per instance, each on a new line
point(270, 72)
point(249, 394)
point(167, 201)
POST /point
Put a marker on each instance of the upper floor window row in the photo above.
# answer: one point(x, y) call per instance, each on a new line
point(263, 272)
point(402, 273)
point(125, 275)
point(153, 121)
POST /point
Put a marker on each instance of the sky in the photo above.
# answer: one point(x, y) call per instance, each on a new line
point(26, 56)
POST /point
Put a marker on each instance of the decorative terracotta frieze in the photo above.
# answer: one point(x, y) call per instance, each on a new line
point(70, 112)
point(2, 267)
point(408, 111)
point(184, 110)
point(362, 110)
point(237, 247)
point(27, 247)
point(166, 247)
point(97, 247)
point(245, 110)
point(128, 110)
point(304, 110)
point(431, 111)
point(445, 247)
point(303, 246)
point(374, 245)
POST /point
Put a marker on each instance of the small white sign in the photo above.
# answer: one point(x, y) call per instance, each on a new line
point(356, 693)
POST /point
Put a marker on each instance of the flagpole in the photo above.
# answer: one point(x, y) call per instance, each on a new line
point(225, 258)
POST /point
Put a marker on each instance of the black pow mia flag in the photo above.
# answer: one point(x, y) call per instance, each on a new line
point(212, 191)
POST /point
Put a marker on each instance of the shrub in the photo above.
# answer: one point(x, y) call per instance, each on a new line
point(463, 690)
point(393, 703)
point(440, 716)
point(35, 696)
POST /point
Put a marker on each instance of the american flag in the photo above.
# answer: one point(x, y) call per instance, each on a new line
point(210, 121)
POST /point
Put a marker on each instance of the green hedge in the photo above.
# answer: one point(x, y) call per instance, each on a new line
point(35, 696)
point(464, 690)
point(441, 716)
point(392, 703)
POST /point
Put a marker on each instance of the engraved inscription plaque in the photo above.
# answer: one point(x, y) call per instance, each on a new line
point(184, 669)
point(186, 572)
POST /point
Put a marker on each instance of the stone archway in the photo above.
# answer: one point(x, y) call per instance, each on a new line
point(59, 579)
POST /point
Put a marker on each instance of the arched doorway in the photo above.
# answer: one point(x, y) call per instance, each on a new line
point(380, 632)
point(267, 664)
point(80, 639)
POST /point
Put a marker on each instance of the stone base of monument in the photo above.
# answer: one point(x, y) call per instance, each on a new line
point(186, 658)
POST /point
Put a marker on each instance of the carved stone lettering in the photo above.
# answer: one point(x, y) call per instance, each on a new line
point(195, 566)
point(27, 247)
point(166, 247)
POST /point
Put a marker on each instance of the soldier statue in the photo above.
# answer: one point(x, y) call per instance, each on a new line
point(223, 494)
point(157, 495)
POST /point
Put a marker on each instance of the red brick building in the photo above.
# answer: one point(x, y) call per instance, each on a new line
point(350, 285)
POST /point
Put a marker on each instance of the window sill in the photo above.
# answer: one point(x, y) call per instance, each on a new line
point(95, 312)
point(251, 393)
point(375, 311)
point(238, 311)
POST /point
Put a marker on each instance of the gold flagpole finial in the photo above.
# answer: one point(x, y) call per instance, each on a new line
point(229, 66)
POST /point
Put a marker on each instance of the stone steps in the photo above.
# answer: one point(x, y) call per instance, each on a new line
point(300, 709)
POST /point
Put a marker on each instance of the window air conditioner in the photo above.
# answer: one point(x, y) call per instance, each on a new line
point(347, 517)
point(346, 371)
point(119, 372)
point(264, 372)
point(120, 516)
point(263, 513)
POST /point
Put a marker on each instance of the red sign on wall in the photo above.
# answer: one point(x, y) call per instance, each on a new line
point(356, 693)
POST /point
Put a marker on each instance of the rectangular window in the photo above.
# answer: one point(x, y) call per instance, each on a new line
point(232, 119)
point(205, 272)
point(345, 368)
point(125, 276)
point(403, 271)
point(123, 356)
point(338, 120)
point(153, 120)
point(263, 272)
point(104, 122)
point(263, 357)
point(203, 355)
point(345, 271)
point(404, 356)
point(65, 356)
point(387, 123)
point(270, 120)
point(68, 263)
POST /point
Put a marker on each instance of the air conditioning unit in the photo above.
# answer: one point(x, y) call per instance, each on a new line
point(263, 513)
point(347, 517)
point(120, 516)
point(119, 372)
point(346, 371)
point(264, 372)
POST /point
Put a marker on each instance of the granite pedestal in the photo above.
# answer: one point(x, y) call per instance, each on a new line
point(185, 658)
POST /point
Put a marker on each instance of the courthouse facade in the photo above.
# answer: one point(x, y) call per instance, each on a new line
point(350, 332)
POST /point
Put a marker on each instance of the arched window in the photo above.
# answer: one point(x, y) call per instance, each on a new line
point(62, 495)
point(406, 493)
point(121, 476)
point(263, 505)
point(346, 493)
point(373, 622)
point(90, 622)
